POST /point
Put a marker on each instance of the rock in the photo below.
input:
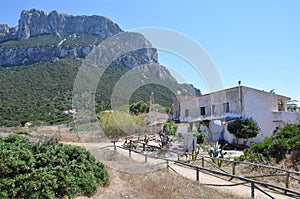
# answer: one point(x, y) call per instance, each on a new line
point(7, 33)
point(35, 22)
point(4, 30)
point(24, 56)
point(30, 55)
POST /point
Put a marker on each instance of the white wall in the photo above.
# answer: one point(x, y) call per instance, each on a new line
point(260, 105)
point(183, 128)
point(217, 99)
point(192, 106)
point(287, 117)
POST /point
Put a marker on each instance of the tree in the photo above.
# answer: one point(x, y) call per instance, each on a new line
point(139, 107)
point(170, 128)
point(243, 128)
point(200, 136)
point(99, 108)
point(116, 124)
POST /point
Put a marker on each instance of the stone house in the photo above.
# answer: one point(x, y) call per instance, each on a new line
point(211, 112)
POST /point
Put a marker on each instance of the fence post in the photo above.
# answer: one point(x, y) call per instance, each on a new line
point(233, 168)
point(202, 161)
point(129, 152)
point(115, 148)
point(145, 155)
point(193, 155)
point(252, 189)
point(130, 144)
point(287, 179)
point(197, 174)
point(167, 164)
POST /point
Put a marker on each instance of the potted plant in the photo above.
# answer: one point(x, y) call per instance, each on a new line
point(170, 128)
point(200, 136)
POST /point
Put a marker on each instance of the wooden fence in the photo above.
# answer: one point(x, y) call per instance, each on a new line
point(254, 184)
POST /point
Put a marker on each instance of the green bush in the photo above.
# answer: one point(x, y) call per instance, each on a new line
point(200, 135)
point(243, 128)
point(170, 128)
point(139, 107)
point(48, 170)
point(287, 140)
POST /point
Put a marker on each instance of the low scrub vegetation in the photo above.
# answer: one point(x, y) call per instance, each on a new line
point(116, 124)
point(41, 93)
point(66, 40)
point(282, 143)
point(48, 170)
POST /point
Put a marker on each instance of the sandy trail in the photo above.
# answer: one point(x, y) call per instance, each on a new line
point(119, 160)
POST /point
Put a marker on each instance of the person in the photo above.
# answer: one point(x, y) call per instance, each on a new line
point(146, 139)
point(168, 141)
point(162, 137)
point(125, 142)
point(276, 130)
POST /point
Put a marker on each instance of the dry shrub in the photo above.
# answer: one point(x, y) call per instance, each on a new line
point(166, 185)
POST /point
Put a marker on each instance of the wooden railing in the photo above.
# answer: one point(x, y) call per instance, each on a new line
point(254, 184)
point(287, 173)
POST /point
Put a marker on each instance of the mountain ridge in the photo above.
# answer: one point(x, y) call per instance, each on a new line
point(36, 22)
point(66, 35)
point(54, 46)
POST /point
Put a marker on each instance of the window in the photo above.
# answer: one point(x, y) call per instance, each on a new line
point(213, 109)
point(226, 107)
point(202, 110)
point(280, 105)
point(187, 114)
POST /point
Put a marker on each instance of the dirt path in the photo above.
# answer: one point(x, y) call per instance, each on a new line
point(229, 186)
point(119, 161)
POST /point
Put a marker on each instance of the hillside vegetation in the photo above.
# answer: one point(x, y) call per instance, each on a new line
point(65, 40)
point(37, 93)
point(39, 64)
point(41, 92)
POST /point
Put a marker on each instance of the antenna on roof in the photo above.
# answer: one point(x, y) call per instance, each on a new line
point(240, 99)
point(272, 91)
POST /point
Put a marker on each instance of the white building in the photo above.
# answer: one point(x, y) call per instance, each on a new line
point(210, 112)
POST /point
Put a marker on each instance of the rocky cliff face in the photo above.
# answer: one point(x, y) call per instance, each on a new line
point(30, 55)
point(34, 23)
point(16, 57)
point(7, 33)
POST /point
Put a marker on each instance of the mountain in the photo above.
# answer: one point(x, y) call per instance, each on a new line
point(42, 56)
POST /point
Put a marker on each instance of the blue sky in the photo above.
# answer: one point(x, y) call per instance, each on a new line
point(257, 42)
